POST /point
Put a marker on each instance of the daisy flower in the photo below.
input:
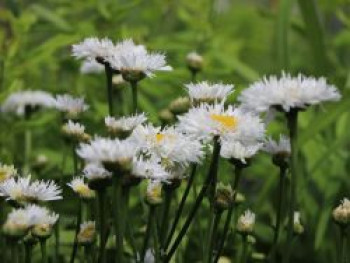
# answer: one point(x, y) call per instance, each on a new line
point(87, 232)
point(238, 151)
point(341, 214)
point(208, 92)
point(6, 172)
point(154, 193)
point(93, 48)
point(95, 171)
point(91, 67)
point(23, 190)
point(278, 147)
point(150, 169)
point(43, 221)
point(246, 222)
point(23, 102)
point(79, 187)
point(297, 226)
point(73, 129)
point(168, 144)
point(71, 106)
point(124, 126)
point(207, 121)
point(287, 93)
point(18, 222)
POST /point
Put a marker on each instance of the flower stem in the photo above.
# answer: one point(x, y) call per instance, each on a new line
point(101, 205)
point(212, 235)
point(118, 216)
point(28, 253)
point(164, 227)
point(27, 150)
point(155, 239)
point(343, 251)
point(109, 76)
point(238, 172)
point(134, 96)
point(77, 227)
point(211, 174)
point(150, 223)
point(292, 118)
point(14, 250)
point(181, 206)
point(43, 251)
point(244, 249)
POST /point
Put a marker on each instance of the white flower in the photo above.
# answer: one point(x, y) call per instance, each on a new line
point(91, 67)
point(70, 105)
point(297, 226)
point(108, 151)
point(150, 169)
point(78, 186)
point(93, 48)
point(278, 147)
point(124, 124)
point(168, 144)
point(246, 222)
point(22, 190)
point(19, 101)
point(73, 128)
point(87, 232)
point(41, 215)
point(341, 214)
point(95, 171)
point(238, 150)
point(287, 92)
point(154, 192)
point(208, 92)
point(6, 172)
point(206, 121)
point(132, 58)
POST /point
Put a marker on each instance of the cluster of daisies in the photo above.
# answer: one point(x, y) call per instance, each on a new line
point(136, 150)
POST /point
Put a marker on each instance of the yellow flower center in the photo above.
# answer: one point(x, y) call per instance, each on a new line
point(159, 137)
point(83, 190)
point(228, 122)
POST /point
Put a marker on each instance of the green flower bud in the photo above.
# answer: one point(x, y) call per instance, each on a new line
point(223, 197)
point(180, 105)
point(154, 193)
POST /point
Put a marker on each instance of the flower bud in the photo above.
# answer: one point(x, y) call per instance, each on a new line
point(194, 62)
point(118, 80)
point(180, 105)
point(42, 231)
point(246, 222)
point(133, 75)
point(14, 230)
point(341, 214)
point(297, 226)
point(240, 198)
point(6, 172)
point(223, 197)
point(87, 233)
point(154, 193)
point(166, 116)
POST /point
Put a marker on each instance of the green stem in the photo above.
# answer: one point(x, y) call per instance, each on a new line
point(77, 227)
point(43, 251)
point(155, 239)
point(211, 174)
point(102, 216)
point(238, 173)
point(292, 118)
point(150, 223)
point(28, 253)
point(57, 241)
point(343, 251)
point(181, 206)
point(212, 235)
point(88, 254)
point(119, 216)
point(134, 96)
point(245, 249)
point(13, 249)
point(109, 84)
point(27, 150)
point(164, 227)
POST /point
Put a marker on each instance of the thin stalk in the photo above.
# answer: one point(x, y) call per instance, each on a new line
point(181, 206)
point(292, 118)
point(109, 84)
point(28, 253)
point(280, 200)
point(77, 227)
point(27, 150)
point(13, 250)
point(244, 249)
point(164, 227)
point(130, 236)
point(118, 216)
point(102, 216)
point(212, 235)
point(150, 223)
point(156, 244)
point(134, 96)
point(88, 254)
point(238, 173)
point(57, 241)
point(211, 174)
point(43, 251)
point(343, 251)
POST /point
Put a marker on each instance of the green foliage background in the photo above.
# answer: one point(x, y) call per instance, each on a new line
point(240, 44)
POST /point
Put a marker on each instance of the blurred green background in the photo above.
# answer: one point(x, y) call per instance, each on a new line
point(240, 41)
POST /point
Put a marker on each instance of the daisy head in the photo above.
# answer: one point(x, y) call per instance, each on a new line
point(79, 187)
point(91, 67)
point(98, 177)
point(207, 121)
point(246, 222)
point(287, 93)
point(87, 233)
point(238, 152)
point(154, 193)
point(93, 48)
point(124, 126)
point(6, 172)
point(135, 62)
point(150, 169)
point(208, 92)
point(341, 214)
point(168, 144)
point(194, 61)
point(297, 226)
point(72, 107)
point(43, 221)
point(75, 131)
point(18, 223)
point(24, 103)
point(280, 150)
